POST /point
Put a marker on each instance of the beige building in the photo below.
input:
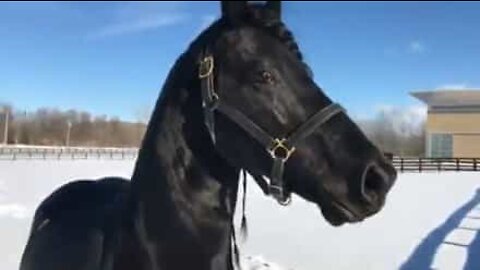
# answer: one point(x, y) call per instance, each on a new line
point(453, 123)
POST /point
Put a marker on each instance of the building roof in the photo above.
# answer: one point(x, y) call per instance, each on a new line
point(450, 98)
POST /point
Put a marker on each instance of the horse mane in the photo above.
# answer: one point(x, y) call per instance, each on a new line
point(280, 31)
point(275, 28)
point(253, 17)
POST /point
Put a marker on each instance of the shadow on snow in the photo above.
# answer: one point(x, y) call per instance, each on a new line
point(423, 255)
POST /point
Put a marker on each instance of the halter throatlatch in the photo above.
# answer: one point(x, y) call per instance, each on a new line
point(280, 149)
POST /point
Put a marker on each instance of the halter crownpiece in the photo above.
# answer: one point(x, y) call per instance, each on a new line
point(280, 149)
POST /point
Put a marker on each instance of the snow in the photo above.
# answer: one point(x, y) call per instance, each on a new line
point(431, 220)
point(13, 210)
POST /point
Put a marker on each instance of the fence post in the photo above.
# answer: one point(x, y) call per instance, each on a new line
point(401, 164)
point(474, 164)
point(420, 164)
point(457, 160)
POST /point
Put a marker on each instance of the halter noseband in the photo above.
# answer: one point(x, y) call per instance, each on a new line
point(280, 149)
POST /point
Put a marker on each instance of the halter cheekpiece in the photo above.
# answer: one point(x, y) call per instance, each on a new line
point(279, 149)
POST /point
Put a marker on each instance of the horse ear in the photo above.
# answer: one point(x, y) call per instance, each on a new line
point(234, 11)
point(275, 8)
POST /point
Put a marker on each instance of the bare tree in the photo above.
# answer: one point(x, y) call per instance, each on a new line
point(396, 132)
point(47, 126)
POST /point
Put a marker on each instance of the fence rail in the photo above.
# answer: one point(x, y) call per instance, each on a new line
point(402, 164)
point(420, 164)
point(66, 153)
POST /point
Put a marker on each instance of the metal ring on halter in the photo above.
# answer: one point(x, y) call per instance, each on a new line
point(278, 194)
point(280, 151)
point(213, 102)
point(206, 67)
point(287, 201)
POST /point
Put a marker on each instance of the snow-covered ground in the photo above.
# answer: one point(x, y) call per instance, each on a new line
point(430, 221)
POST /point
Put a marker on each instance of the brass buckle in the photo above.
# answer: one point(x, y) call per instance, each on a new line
point(280, 147)
point(206, 67)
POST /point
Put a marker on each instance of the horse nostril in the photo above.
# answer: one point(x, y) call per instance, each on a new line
point(375, 184)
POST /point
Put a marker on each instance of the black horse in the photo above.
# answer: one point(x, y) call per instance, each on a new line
point(239, 98)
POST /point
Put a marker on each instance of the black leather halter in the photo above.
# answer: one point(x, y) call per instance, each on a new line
point(280, 149)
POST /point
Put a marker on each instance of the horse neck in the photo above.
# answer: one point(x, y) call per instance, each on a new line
point(184, 192)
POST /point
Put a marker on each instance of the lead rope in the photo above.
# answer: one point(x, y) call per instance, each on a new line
point(243, 226)
point(236, 254)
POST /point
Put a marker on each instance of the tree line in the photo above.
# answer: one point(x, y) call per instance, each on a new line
point(392, 131)
point(49, 126)
point(397, 131)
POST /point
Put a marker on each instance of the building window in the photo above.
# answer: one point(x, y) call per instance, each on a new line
point(441, 145)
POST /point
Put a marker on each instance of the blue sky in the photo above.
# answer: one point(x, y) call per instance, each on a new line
point(112, 57)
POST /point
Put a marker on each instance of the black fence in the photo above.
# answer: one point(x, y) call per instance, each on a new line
point(421, 164)
point(66, 153)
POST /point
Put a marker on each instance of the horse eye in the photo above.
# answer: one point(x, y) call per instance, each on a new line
point(267, 77)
